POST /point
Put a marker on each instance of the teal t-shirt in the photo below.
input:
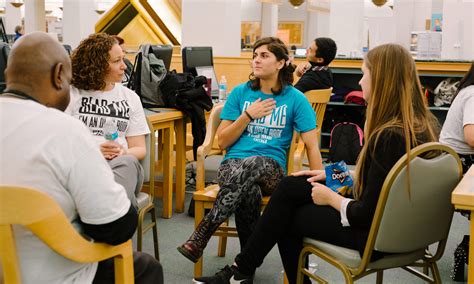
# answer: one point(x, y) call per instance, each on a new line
point(269, 136)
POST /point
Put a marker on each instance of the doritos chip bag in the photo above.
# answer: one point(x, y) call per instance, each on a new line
point(339, 179)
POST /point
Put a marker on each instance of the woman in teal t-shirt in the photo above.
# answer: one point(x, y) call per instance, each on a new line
point(257, 125)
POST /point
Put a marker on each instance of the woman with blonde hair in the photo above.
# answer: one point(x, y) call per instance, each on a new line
point(397, 120)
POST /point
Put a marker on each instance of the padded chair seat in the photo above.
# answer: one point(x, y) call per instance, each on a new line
point(352, 258)
point(143, 199)
point(210, 194)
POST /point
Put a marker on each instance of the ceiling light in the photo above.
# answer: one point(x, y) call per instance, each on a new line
point(379, 3)
point(296, 3)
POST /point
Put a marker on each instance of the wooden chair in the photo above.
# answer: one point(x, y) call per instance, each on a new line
point(403, 225)
point(42, 215)
point(318, 100)
point(145, 200)
point(204, 197)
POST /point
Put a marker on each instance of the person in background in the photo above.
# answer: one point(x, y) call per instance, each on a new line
point(129, 70)
point(315, 74)
point(458, 128)
point(59, 157)
point(458, 133)
point(398, 120)
point(257, 126)
point(19, 31)
point(99, 100)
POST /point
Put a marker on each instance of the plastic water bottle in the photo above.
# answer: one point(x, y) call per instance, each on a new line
point(222, 89)
point(110, 130)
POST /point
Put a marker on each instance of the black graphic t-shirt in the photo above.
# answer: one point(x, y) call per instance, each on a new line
point(120, 106)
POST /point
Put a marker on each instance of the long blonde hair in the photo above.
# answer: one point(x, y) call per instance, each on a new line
point(396, 103)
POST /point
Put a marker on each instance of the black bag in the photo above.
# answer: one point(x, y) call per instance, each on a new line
point(345, 143)
point(146, 77)
point(175, 83)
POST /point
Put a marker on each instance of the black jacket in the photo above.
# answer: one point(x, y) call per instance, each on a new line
point(192, 103)
point(317, 77)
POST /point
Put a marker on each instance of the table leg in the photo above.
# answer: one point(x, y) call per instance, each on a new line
point(180, 128)
point(167, 173)
point(470, 267)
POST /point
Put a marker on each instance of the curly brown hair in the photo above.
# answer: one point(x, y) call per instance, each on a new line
point(90, 62)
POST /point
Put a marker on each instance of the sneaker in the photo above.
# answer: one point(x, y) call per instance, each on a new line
point(228, 274)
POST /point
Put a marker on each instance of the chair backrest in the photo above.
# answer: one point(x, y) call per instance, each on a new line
point(68, 48)
point(4, 52)
point(423, 217)
point(206, 147)
point(319, 100)
point(40, 214)
point(204, 150)
point(163, 52)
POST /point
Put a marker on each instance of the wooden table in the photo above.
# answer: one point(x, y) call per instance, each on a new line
point(168, 122)
point(463, 198)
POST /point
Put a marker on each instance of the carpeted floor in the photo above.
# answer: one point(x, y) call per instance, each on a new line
point(177, 269)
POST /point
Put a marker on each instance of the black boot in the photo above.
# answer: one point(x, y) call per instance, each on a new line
point(194, 247)
point(461, 257)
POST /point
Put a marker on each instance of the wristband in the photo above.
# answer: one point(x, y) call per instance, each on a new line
point(248, 114)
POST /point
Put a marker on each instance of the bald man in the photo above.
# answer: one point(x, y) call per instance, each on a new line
point(60, 157)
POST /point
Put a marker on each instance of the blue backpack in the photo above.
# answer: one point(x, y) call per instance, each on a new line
point(345, 143)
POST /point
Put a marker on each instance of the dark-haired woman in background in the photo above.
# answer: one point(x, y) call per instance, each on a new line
point(458, 132)
point(98, 98)
point(257, 126)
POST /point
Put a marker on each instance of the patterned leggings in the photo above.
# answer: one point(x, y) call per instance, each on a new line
point(242, 183)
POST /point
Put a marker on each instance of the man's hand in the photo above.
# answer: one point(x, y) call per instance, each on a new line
point(302, 68)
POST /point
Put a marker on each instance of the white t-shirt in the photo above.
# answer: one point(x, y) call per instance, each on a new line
point(120, 104)
point(460, 114)
point(48, 150)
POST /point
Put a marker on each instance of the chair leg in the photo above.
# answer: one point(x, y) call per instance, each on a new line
point(299, 271)
point(379, 278)
point(426, 270)
point(285, 279)
point(434, 269)
point(141, 217)
point(198, 216)
point(222, 246)
point(155, 233)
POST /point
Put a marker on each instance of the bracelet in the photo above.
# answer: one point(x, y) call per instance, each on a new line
point(248, 114)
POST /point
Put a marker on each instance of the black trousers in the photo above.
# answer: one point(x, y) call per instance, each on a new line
point(289, 216)
point(467, 161)
point(145, 267)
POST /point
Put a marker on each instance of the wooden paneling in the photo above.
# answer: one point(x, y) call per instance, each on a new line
point(237, 69)
point(137, 32)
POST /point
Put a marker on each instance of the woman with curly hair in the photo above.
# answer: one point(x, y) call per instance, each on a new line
point(257, 126)
point(99, 100)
